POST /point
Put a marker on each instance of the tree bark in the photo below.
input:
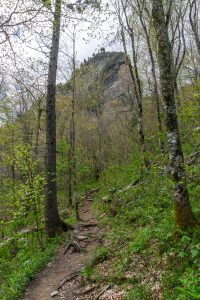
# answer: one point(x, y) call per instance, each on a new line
point(52, 219)
point(194, 23)
point(135, 78)
point(74, 164)
point(69, 175)
point(39, 115)
point(138, 95)
point(74, 149)
point(183, 212)
point(153, 72)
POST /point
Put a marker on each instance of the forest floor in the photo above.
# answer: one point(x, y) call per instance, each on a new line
point(62, 279)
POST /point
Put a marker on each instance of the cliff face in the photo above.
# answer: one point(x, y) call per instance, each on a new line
point(107, 65)
point(105, 73)
point(101, 83)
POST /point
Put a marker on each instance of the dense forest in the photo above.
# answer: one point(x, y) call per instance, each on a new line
point(99, 149)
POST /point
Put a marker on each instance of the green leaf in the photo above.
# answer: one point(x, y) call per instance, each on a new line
point(194, 252)
point(47, 3)
point(181, 254)
point(186, 239)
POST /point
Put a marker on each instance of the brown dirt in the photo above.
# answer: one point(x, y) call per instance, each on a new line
point(87, 235)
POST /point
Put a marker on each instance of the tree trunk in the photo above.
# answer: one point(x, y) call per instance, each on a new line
point(39, 115)
point(139, 99)
point(193, 15)
point(69, 175)
point(52, 218)
point(99, 155)
point(74, 151)
point(155, 82)
point(183, 212)
point(138, 95)
point(74, 129)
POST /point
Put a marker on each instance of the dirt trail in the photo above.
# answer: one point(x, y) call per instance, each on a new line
point(86, 236)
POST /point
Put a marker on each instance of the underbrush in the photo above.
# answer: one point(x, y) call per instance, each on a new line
point(23, 256)
point(151, 259)
point(20, 261)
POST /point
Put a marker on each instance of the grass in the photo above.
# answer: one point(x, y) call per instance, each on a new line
point(151, 256)
point(20, 262)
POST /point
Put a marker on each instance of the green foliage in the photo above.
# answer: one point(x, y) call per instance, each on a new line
point(142, 232)
point(62, 157)
point(190, 115)
point(47, 3)
point(24, 250)
point(138, 293)
point(189, 287)
point(100, 255)
point(87, 272)
point(20, 262)
point(84, 169)
point(25, 198)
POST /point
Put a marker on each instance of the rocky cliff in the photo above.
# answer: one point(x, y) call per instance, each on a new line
point(107, 65)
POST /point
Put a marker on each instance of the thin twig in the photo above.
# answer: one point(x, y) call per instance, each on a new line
point(102, 292)
point(67, 279)
point(87, 291)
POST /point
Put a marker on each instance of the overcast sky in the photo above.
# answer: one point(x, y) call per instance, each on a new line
point(87, 42)
point(101, 37)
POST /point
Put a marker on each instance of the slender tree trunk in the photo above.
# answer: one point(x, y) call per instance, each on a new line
point(74, 153)
point(135, 77)
point(138, 97)
point(183, 212)
point(194, 23)
point(137, 85)
point(74, 130)
point(155, 82)
point(99, 163)
point(13, 163)
point(69, 175)
point(39, 115)
point(52, 218)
